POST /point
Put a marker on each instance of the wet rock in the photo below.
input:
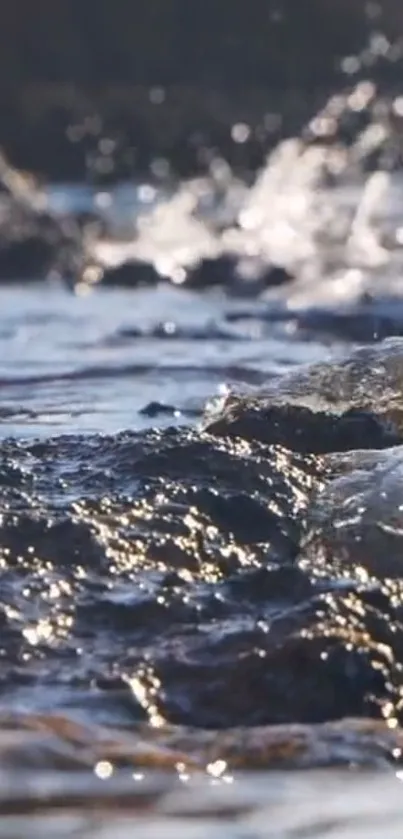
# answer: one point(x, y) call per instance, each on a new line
point(369, 378)
point(305, 430)
point(241, 277)
point(160, 409)
point(356, 526)
point(225, 581)
point(131, 274)
point(276, 677)
point(276, 275)
point(35, 245)
point(132, 510)
point(203, 535)
point(212, 271)
point(252, 277)
point(25, 259)
point(364, 387)
point(285, 583)
point(155, 409)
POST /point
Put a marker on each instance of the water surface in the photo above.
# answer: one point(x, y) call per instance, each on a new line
point(188, 601)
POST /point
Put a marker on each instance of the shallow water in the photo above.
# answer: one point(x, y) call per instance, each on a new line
point(190, 600)
point(73, 364)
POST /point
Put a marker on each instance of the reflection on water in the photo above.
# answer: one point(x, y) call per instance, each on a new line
point(274, 806)
point(186, 577)
point(74, 364)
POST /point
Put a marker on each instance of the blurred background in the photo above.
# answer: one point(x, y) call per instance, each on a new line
point(160, 78)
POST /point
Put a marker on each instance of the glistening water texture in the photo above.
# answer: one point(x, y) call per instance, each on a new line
point(201, 499)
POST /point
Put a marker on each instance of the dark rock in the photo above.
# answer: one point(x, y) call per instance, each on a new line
point(286, 584)
point(212, 271)
point(241, 277)
point(368, 380)
point(29, 258)
point(304, 677)
point(358, 519)
point(276, 275)
point(253, 276)
point(155, 409)
point(304, 430)
point(35, 245)
point(226, 581)
point(133, 274)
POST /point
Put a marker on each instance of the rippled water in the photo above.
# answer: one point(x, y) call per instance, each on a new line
point(74, 364)
point(201, 504)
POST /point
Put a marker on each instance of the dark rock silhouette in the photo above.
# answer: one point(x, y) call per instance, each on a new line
point(131, 274)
